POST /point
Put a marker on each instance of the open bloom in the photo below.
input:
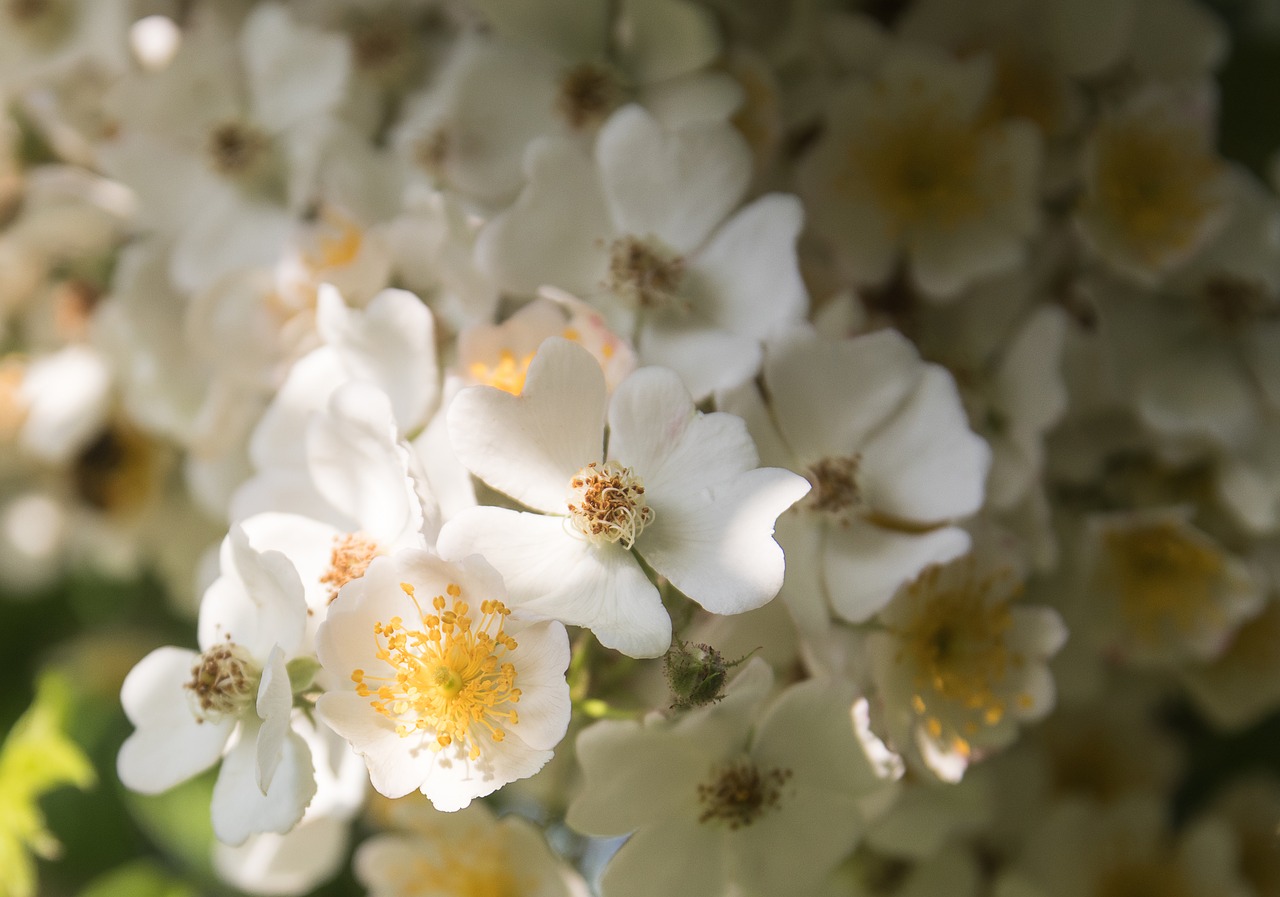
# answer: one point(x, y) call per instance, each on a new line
point(679, 487)
point(189, 707)
point(454, 696)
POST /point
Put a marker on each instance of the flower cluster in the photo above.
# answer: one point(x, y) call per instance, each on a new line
point(476, 374)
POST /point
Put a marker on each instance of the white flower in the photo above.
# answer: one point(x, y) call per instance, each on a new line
point(958, 666)
point(912, 168)
point(736, 797)
point(453, 695)
point(433, 854)
point(679, 487)
point(884, 440)
point(190, 708)
point(1161, 592)
point(647, 232)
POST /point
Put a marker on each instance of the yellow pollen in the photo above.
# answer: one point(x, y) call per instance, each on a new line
point(449, 674)
point(351, 556)
point(507, 374)
point(606, 503)
point(956, 642)
point(922, 166)
point(1152, 179)
point(1166, 579)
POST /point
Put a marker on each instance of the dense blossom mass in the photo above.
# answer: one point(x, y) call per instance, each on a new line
point(655, 447)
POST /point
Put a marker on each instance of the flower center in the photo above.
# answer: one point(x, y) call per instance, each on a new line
point(1152, 180)
point(223, 682)
point(506, 374)
point(449, 677)
point(588, 93)
point(835, 487)
point(645, 274)
point(235, 148)
point(922, 167)
point(740, 793)
point(1166, 579)
point(956, 641)
point(606, 503)
point(351, 556)
point(115, 472)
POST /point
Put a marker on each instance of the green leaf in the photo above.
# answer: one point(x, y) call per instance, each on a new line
point(36, 757)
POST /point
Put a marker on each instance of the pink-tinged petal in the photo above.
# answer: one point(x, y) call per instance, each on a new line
point(747, 279)
point(675, 450)
point(557, 231)
point(274, 704)
point(390, 344)
point(541, 662)
point(829, 395)
point(257, 602)
point(170, 745)
point(926, 464)
point(717, 544)
point(675, 186)
point(552, 571)
point(239, 809)
point(530, 446)
point(864, 564)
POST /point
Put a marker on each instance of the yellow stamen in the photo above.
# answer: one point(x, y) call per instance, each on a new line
point(507, 374)
point(449, 677)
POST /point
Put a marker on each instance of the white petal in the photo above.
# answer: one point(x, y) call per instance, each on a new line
point(828, 395)
point(660, 39)
point(926, 464)
point(391, 343)
point(294, 72)
point(675, 186)
point(275, 701)
point(680, 858)
point(865, 564)
point(706, 358)
point(557, 231)
point(359, 465)
point(555, 573)
point(239, 809)
point(676, 450)
point(397, 765)
point(541, 661)
point(257, 601)
point(170, 745)
point(717, 546)
point(747, 279)
point(530, 446)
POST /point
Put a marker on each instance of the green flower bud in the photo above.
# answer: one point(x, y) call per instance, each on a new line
point(696, 674)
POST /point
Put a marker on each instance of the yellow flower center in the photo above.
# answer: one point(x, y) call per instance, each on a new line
point(921, 166)
point(606, 503)
point(1152, 180)
point(449, 675)
point(1166, 579)
point(506, 374)
point(957, 643)
point(351, 556)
